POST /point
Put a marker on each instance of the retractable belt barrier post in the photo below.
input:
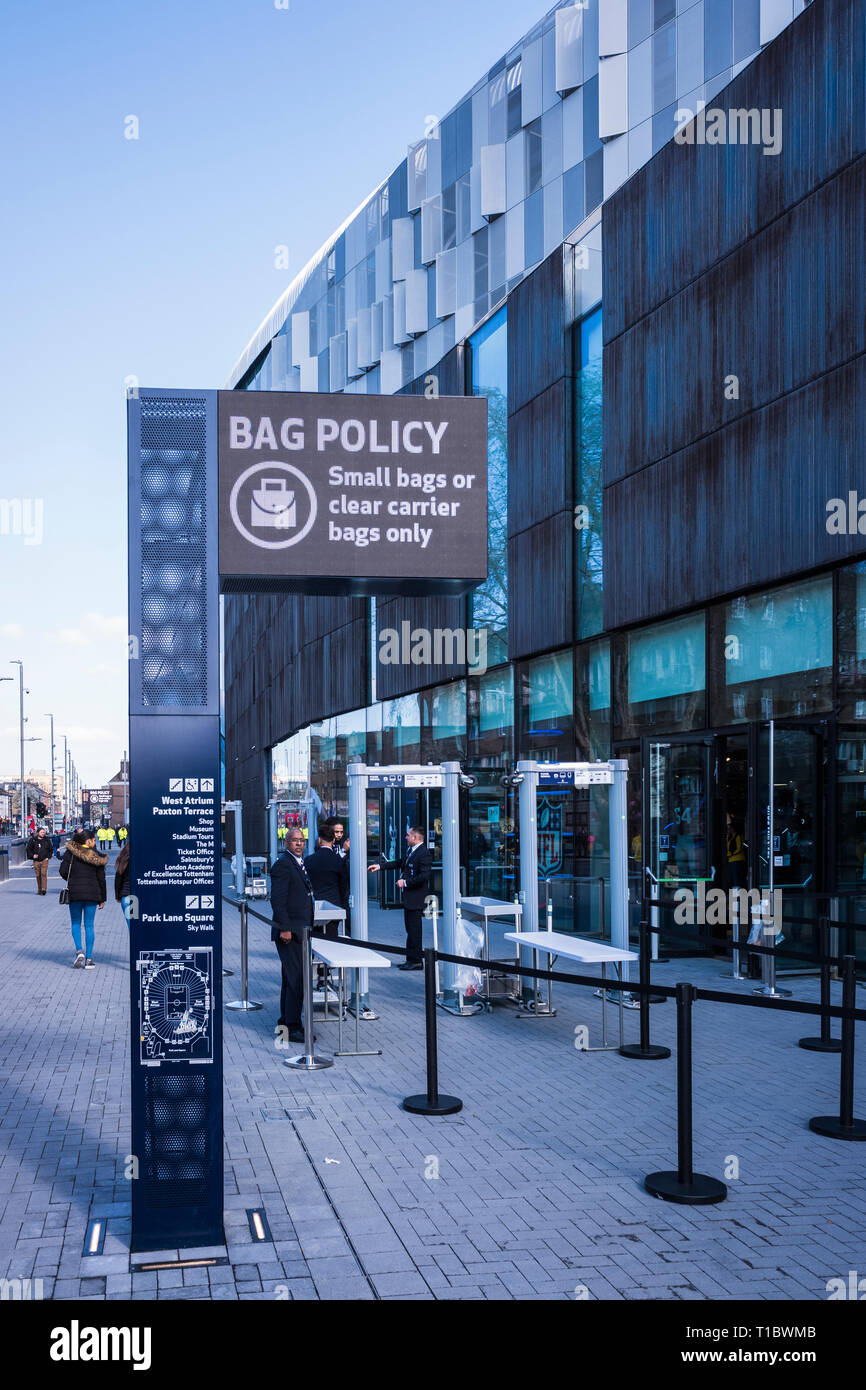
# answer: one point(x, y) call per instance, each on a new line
point(685, 1186)
point(826, 1042)
point(431, 1103)
point(308, 1059)
point(844, 1125)
point(244, 1004)
point(645, 1050)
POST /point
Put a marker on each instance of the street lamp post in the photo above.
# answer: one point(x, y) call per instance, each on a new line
point(53, 800)
point(20, 665)
point(8, 678)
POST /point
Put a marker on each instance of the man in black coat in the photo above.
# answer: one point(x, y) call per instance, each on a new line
point(39, 850)
point(329, 873)
point(415, 867)
point(293, 904)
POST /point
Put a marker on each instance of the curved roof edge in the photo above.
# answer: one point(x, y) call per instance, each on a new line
point(274, 320)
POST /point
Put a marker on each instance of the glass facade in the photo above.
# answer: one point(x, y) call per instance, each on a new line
point(491, 190)
point(589, 482)
point(428, 263)
point(488, 360)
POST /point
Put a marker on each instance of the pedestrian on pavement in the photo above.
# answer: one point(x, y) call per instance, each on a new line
point(415, 867)
point(122, 881)
point(109, 831)
point(83, 868)
point(293, 904)
point(329, 875)
point(341, 844)
point(39, 850)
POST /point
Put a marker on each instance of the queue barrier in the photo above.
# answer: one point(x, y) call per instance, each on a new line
point(681, 1185)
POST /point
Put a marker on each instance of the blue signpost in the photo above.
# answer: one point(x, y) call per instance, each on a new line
point(176, 927)
point(246, 493)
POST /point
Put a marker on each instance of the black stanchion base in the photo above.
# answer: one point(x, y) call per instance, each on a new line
point(700, 1192)
point(832, 1128)
point(819, 1045)
point(645, 1054)
point(420, 1105)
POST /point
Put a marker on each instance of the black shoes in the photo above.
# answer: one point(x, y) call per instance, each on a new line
point(297, 1035)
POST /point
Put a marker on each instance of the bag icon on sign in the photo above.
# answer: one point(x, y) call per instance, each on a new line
point(273, 504)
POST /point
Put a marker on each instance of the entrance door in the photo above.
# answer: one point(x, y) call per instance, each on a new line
point(676, 831)
point(788, 822)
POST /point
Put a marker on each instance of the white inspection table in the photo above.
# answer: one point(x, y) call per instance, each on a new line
point(342, 956)
point(555, 943)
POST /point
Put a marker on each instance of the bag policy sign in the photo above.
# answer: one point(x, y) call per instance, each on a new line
point(352, 494)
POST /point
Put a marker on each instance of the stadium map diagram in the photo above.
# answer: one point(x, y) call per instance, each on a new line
point(176, 1006)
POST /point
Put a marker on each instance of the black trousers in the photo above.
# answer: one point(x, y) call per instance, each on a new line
point(414, 935)
point(292, 992)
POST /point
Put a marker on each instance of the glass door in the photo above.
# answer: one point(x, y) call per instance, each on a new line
point(788, 824)
point(677, 849)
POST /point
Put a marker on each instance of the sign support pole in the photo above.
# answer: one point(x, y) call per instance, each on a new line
point(450, 877)
point(357, 774)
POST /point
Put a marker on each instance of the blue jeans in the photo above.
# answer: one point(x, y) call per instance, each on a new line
point(88, 910)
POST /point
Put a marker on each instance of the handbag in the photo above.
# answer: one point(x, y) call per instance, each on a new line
point(64, 892)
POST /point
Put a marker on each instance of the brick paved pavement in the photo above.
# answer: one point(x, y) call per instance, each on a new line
point(538, 1192)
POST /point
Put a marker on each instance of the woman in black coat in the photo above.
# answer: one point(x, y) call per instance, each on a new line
point(83, 868)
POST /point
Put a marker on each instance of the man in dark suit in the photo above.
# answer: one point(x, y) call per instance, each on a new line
point(329, 873)
point(293, 904)
point(415, 867)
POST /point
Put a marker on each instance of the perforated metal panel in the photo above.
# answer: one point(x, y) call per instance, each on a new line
point(177, 1161)
point(174, 539)
point(173, 552)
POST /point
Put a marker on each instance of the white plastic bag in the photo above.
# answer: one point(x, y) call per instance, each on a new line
point(470, 941)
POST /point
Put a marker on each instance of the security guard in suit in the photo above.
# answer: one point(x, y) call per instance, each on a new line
point(415, 867)
point(293, 904)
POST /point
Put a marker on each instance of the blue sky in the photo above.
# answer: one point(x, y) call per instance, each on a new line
point(258, 127)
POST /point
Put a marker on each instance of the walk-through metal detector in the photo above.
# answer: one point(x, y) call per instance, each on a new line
point(236, 809)
point(532, 777)
point(301, 812)
point(448, 777)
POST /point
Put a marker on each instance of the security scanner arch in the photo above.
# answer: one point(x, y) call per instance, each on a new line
point(532, 776)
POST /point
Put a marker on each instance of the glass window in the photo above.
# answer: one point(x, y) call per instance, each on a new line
point(532, 149)
point(664, 67)
point(401, 730)
point(772, 654)
point(443, 713)
point(533, 229)
point(491, 712)
point(663, 11)
point(572, 199)
point(489, 367)
point(747, 28)
point(718, 30)
point(546, 707)
point(594, 179)
point(515, 100)
point(851, 783)
point(852, 642)
point(591, 142)
point(589, 480)
point(660, 678)
point(593, 711)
